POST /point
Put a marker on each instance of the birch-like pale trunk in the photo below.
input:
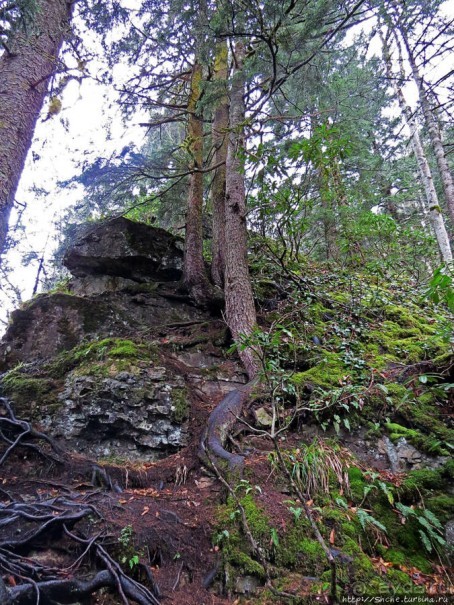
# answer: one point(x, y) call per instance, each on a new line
point(434, 210)
point(432, 127)
point(25, 70)
point(239, 299)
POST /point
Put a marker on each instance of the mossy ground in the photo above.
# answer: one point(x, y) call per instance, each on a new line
point(374, 544)
point(360, 352)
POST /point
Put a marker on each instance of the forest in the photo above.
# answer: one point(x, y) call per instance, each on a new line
point(233, 381)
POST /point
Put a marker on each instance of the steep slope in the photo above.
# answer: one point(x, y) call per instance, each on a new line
point(350, 432)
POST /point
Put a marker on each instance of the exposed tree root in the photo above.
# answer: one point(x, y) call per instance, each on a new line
point(14, 432)
point(37, 521)
point(29, 526)
point(220, 424)
point(73, 590)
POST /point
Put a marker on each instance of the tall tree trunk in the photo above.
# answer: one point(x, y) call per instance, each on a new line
point(239, 299)
point(25, 70)
point(194, 274)
point(432, 127)
point(220, 142)
point(434, 210)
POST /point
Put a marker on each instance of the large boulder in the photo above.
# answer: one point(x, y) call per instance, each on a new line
point(56, 322)
point(126, 249)
point(124, 283)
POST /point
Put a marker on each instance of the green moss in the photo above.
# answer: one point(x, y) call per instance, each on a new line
point(180, 407)
point(296, 549)
point(428, 444)
point(257, 519)
point(418, 482)
point(328, 372)
point(425, 417)
point(442, 506)
point(396, 557)
point(362, 564)
point(399, 580)
point(110, 347)
point(350, 530)
point(448, 469)
point(404, 317)
point(124, 348)
point(101, 357)
point(246, 564)
point(236, 548)
point(27, 390)
point(312, 552)
point(357, 483)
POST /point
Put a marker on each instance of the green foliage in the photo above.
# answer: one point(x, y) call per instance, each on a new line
point(31, 394)
point(180, 406)
point(430, 529)
point(228, 534)
point(315, 468)
point(367, 519)
point(441, 286)
point(128, 555)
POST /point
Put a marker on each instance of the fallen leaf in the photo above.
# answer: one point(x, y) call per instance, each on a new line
point(332, 537)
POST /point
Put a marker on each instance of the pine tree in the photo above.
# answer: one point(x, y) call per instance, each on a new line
point(27, 64)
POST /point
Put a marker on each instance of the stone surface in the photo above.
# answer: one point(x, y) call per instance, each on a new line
point(449, 534)
point(263, 418)
point(124, 249)
point(135, 414)
point(51, 323)
point(247, 585)
point(121, 407)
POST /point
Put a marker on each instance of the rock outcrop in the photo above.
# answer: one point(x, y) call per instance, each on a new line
point(125, 249)
point(85, 363)
point(124, 281)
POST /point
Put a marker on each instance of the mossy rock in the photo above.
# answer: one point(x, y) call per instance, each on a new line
point(442, 506)
point(30, 394)
point(329, 372)
point(421, 483)
point(357, 483)
point(180, 405)
point(429, 444)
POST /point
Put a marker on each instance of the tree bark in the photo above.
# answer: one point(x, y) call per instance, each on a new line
point(25, 70)
point(434, 210)
point(239, 299)
point(194, 274)
point(220, 142)
point(432, 127)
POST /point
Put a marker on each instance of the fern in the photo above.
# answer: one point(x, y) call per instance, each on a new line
point(432, 519)
point(365, 519)
point(425, 540)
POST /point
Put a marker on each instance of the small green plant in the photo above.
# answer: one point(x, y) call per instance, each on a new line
point(364, 517)
point(221, 537)
point(315, 465)
point(441, 286)
point(295, 510)
point(430, 529)
point(376, 484)
point(128, 553)
point(248, 488)
point(274, 537)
